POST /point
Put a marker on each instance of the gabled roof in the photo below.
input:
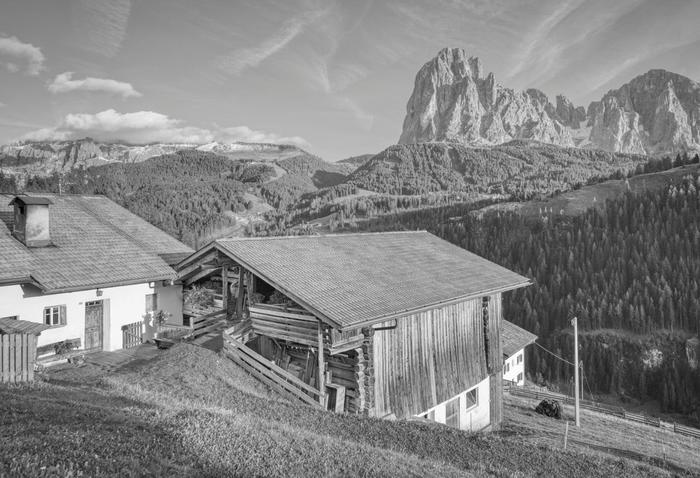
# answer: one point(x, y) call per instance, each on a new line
point(16, 326)
point(350, 280)
point(95, 243)
point(514, 338)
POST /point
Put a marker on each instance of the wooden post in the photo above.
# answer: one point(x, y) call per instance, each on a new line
point(241, 288)
point(566, 434)
point(577, 405)
point(224, 287)
point(321, 368)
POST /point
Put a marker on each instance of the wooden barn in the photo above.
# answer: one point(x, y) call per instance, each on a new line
point(394, 325)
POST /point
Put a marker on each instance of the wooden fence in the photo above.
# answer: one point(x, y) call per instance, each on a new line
point(17, 358)
point(132, 335)
point(267, 372)
point(605, 409)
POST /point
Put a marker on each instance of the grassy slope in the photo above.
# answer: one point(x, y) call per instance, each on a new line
point(191, 412)
point(576, 202)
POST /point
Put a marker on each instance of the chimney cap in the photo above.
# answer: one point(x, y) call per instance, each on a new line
point(30, 200)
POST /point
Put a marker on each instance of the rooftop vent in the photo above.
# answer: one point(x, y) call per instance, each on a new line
point(31, 224)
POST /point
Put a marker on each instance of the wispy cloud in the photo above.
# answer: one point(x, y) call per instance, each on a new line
point(105, 22)
point(244, 58)
point(143, 127)
point(64, 83)
point(245, 134)
point(540, 33)
point(16, 55)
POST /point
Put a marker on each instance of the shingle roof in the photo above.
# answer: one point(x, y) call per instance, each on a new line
point(514, 338)
point(15, 326)
point(354, 279)
point(95, 242)
point(29, 200)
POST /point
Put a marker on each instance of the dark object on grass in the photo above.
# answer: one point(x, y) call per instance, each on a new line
point(551, 408)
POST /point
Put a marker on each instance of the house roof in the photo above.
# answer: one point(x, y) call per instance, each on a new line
point(514, 338)
point(30, 200)
point(95, 243)
point(16, 326)
point(351, 280)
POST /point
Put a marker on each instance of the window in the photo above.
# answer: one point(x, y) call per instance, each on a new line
point(452, 413)
point(55, 315)
point(506, 369)
point(10, 317)
point(520, 358)
point(472, 398)
point(520, 377)
point(151, 302)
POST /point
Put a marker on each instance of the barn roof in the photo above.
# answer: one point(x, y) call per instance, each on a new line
point(514, 338)
point(350, 280)
point(95, 243)
point(16, 326)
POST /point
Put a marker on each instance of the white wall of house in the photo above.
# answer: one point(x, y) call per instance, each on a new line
point(471, 417)
point(514, 368)
point(122, 305)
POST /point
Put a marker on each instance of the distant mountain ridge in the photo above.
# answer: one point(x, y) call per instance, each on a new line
point(46, 157)
point(452, 100)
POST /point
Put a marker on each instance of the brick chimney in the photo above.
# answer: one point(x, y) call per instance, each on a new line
point(31, 224)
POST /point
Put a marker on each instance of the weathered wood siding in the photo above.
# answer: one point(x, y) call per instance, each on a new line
point(433, 356)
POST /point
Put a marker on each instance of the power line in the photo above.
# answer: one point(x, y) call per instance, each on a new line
point(553, 354)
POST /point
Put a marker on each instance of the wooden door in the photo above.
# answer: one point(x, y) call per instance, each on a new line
point(93, 325)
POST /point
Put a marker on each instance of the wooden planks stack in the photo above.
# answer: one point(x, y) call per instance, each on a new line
point(292, 325)
point(17, 358)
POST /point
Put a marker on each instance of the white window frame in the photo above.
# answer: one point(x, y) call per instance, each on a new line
point(55, 315)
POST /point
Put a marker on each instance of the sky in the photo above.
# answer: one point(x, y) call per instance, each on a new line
point(333, 77)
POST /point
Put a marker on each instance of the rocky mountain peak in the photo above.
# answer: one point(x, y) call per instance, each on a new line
point(453, 100)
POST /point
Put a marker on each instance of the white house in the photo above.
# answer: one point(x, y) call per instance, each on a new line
point(86, 267)
point(513, 342)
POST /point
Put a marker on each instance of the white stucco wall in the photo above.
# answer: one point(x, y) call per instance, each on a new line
point(511, 368)
point(122, 305)
point(473, 419)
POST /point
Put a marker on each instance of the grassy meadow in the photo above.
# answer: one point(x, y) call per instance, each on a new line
point(192, 412)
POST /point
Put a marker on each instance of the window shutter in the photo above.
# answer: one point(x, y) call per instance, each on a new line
point(155, 301)
point(62, 314)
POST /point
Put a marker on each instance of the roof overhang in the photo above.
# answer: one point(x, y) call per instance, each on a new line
point(329, 320)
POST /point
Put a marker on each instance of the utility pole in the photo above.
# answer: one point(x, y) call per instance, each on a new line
point(574, 322)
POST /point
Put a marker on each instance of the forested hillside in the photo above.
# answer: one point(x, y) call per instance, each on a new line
point(630, 273)
point(194, 195)
point(517, 169)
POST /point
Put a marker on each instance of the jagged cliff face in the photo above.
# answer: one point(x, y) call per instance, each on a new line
point(453, 101)
point(654, 113)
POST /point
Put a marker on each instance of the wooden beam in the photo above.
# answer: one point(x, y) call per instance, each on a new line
point(321, 368)
point(241, 289)
point(199, 275)
point(198, 261)
point(224, 287)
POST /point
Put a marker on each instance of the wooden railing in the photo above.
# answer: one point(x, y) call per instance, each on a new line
point(266, 371)
point(208, 322)
point(608, 410)
point(132, 335)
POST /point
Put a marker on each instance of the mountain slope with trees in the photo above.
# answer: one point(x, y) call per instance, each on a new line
point(629, 271)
